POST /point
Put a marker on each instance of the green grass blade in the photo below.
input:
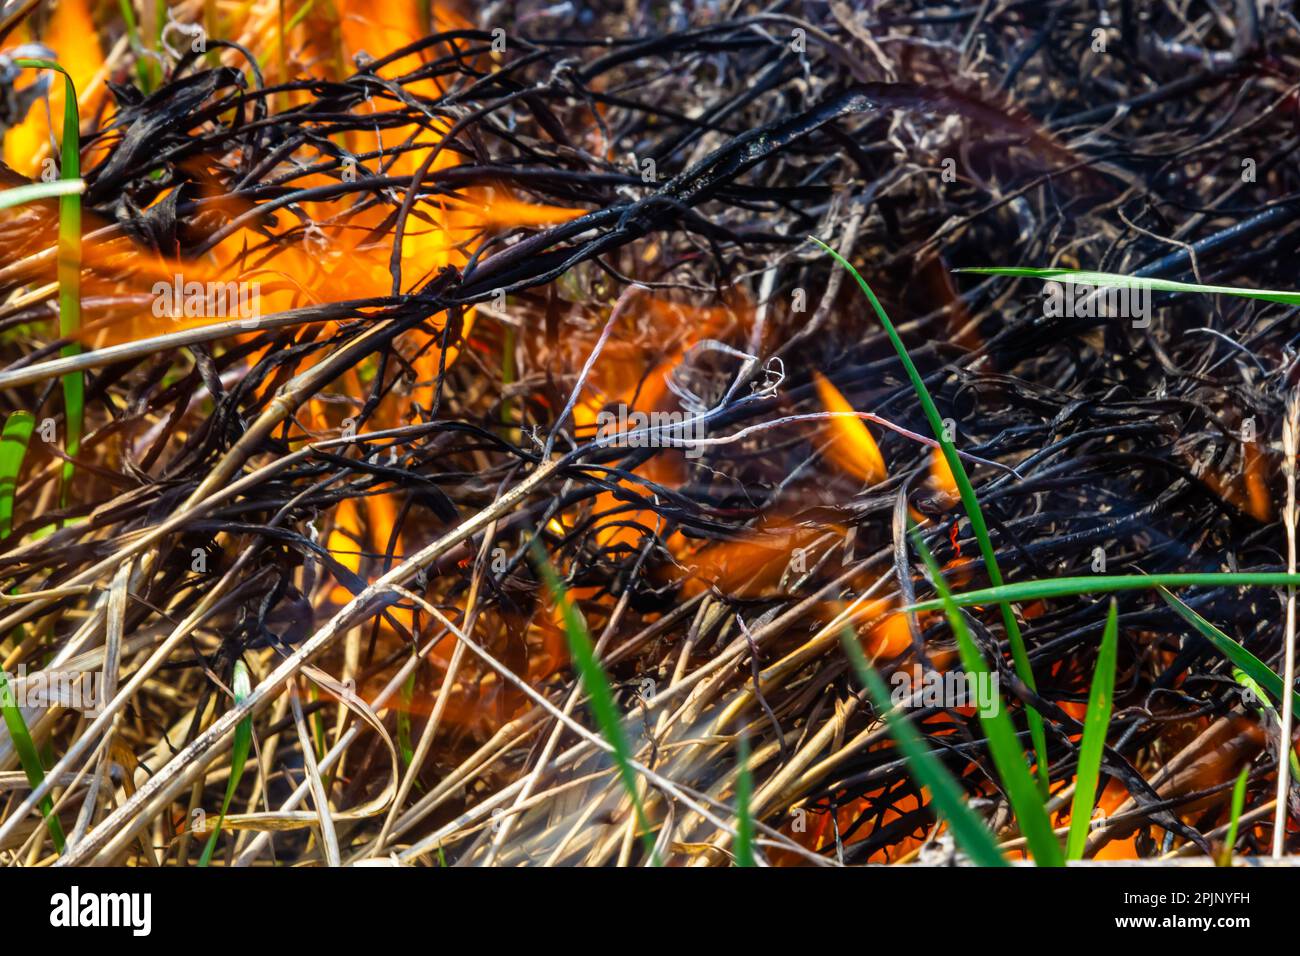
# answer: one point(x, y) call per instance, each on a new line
point(1252, 666)
point(1045, 588)
point(69, 266)
point(1096, 722)
point(144, 67)
point(28, 756)
point(34, 191)
point(598, 692)
point(238, 757)
point(14, 439)
point(318, 724)
point(946, 796)
point(299, 15)
point(1115, 280)
point(744, 820)
point(1262, 703)
point(1234, 821)
point(404, 719)
point(1008, 757)
point(969, 500)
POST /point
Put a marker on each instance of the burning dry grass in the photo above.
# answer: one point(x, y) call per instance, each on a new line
point(359, 283)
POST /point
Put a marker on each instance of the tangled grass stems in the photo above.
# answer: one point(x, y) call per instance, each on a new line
point(445, 383)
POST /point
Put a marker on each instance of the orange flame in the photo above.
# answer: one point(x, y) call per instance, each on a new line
point(1248, 490)
point(852, 448)
point(941, 477)
point(71, 33)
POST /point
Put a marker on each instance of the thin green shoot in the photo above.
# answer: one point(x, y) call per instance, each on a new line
point(241, 687)
point(1258, 697)
point(1257, 670)
point(1116, 280)
point(145, 68)
point(69, 267)
point(1096, 722)
point(598, 691)
point(744, 819)
point(946, 796)
point(34, 191)
point(1047, 588)
point(14, 439)
point(404, 719)
point(1234, 819)
point(970, 501)
point(1008, 756)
